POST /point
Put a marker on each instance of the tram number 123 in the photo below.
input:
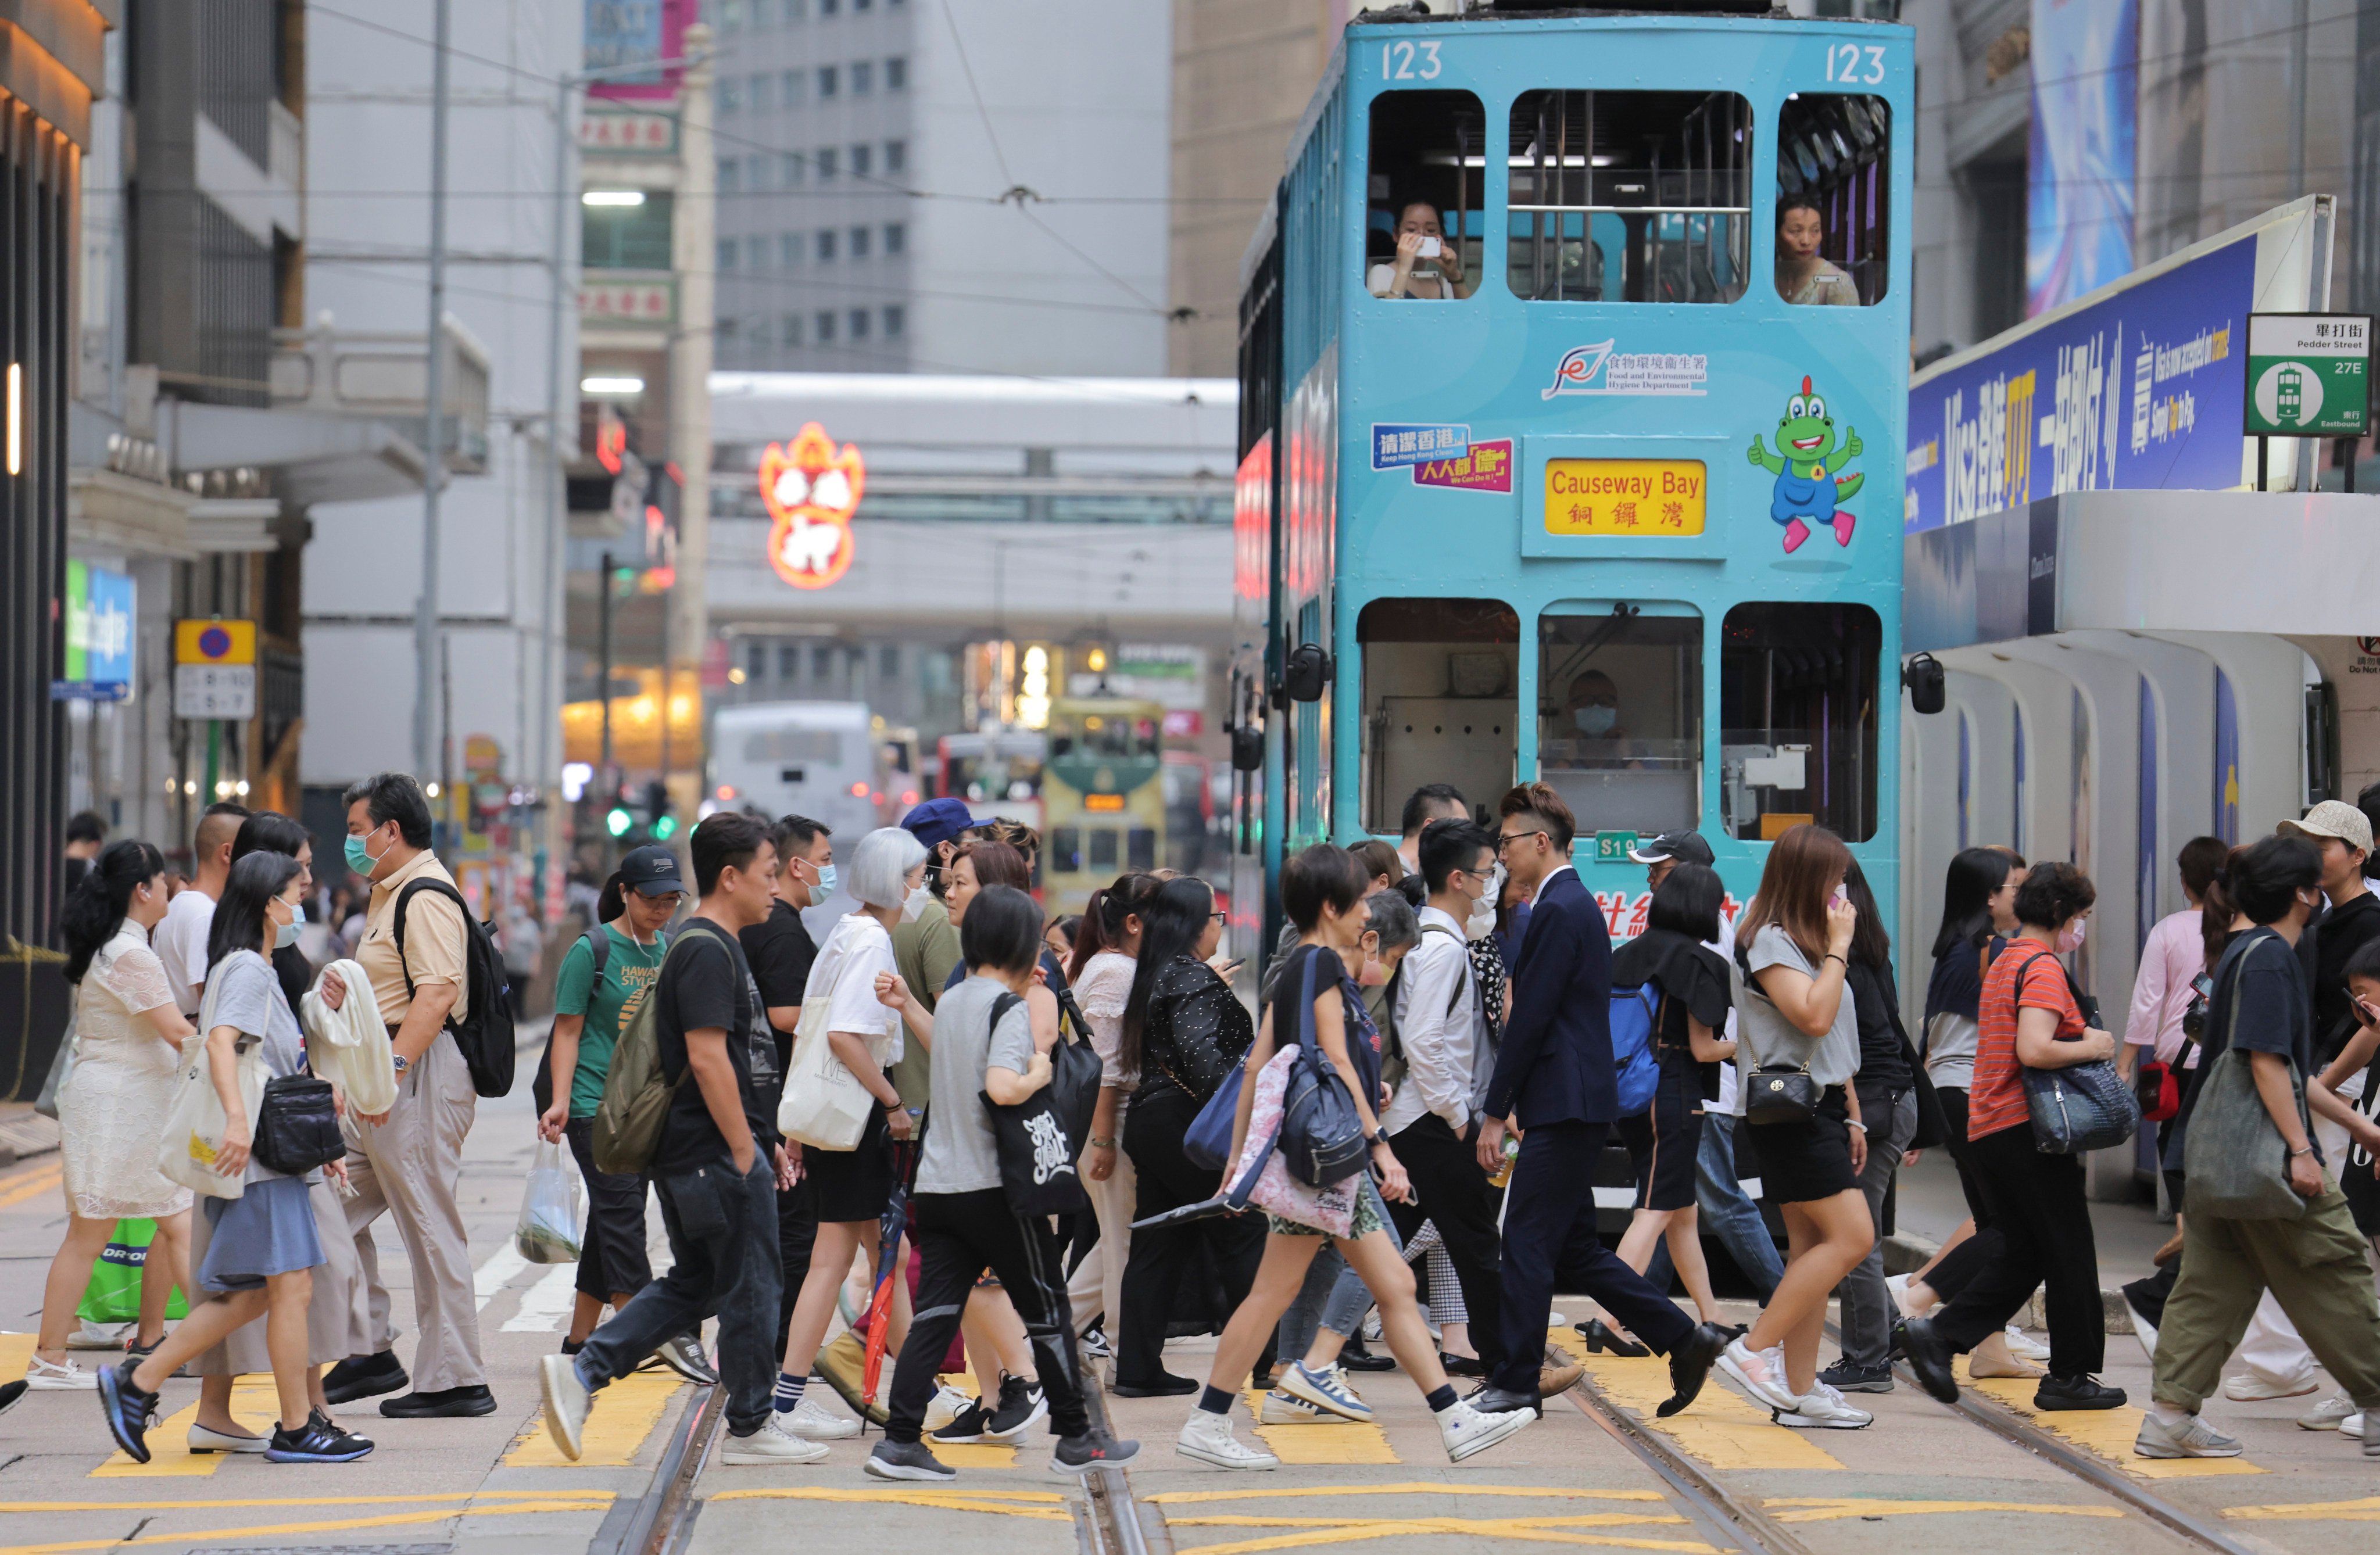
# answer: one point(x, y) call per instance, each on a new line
point(1397, 61)
point(1844, 64)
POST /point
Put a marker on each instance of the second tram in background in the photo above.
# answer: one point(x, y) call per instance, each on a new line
point(1102, 796)
point(1574, 373)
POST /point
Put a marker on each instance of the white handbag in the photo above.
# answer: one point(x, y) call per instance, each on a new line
point(824, 1104)
point(195, 1123)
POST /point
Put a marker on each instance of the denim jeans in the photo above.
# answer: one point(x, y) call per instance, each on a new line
point(1727, 1213)
point(1334, 1295)
point(722, 1233)
point(1867, 1306)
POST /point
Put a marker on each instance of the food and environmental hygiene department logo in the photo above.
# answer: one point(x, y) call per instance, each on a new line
point(1599, 369)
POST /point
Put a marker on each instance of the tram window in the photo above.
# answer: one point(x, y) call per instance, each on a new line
point(1424, 229)
point(1439, 677)
point(1798, 693)
point(1064, 850)
point(1140, 849)
point(1630, 196)
point(1619, 710)
point(1103, 848)
point(1834, 178)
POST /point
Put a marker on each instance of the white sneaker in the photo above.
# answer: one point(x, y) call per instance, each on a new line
point(1897, 1285)
point(1209, 1439)
point(812, 1421)
point(2193, 1438)
point(1760, 1373)
point(2024, 1345)
point(1286, 1409)
point(947, 1405)
point(566, 1402)
point(769, 1445)
point(58, 1377)
point(1466, 1431)
point(100, 1336)
point(2352, 1425)
point(2249, 1388)
point(1823, 1409)
point(1324, 1389)
point(2325, 1416)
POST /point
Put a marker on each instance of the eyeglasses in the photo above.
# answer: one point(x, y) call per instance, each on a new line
point(1219, 915)
point(1506, 839)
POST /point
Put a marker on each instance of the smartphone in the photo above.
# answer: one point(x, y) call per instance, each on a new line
point(2204, 985)
point(1428, 249)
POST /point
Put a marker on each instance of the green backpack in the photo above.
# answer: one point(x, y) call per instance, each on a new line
point(636, 1094)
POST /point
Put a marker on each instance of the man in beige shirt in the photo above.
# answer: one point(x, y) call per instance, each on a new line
point(407, 1161)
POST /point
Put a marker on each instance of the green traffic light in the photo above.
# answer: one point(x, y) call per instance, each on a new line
point(664, 828)
point(617, 822)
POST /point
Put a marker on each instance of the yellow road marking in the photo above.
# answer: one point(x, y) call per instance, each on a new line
point(1828, 1508)
point(2366, 1510)
point(2105, 1433)
point(16, 1190)
point(1535, 1530)
point(343, 1524)
point(1039, 1505)
point(254, 1403)
point(622, 1416)
point(1341, 1441)
point(594, 1497)
point(1411, 1487)
point(15, 1354)
point(1720, 1429)
point(976, 1454)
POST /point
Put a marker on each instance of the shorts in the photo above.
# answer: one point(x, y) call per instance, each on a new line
point(612, 1260)
point(853, 1185)
point(1662, 1142)
point(268, 1229)
point(1803, 1162)
point(1367, 1218)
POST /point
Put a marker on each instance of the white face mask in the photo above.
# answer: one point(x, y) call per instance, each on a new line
point(914, 904)
point(1481, 921)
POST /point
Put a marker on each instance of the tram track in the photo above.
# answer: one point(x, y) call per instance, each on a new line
point(657, 1522)
point(1730, 1521)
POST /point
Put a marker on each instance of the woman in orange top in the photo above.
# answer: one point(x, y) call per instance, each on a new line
point(2030, 1018)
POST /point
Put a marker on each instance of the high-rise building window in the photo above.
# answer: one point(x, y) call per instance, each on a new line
point(727, 250)
point(863, 160)
point(826, 245)
point(756, 170)
point(827, 7)
point(789, 250)
point(859, 324)
point(728, 94)
point(731, 174)
point(896, 321)
point(823, 160)
point(790, 166)
point(792, 86)
point(888, 660)
point(789, 333)
point(731, 16)
point(821, 657)
point(627, 236)
point(755, 92)
point(863, 77)
point(860, 4)
point(896, 74)
point(859, 242)
point(755, 252)
point(825, 323)
point(795, 10)
point(896, 156)
point(756, 654)
point(896, 238)
point(827, 80)
point(789, 661)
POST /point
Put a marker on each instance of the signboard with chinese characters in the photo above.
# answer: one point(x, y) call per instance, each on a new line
point(2309, 375)
point(651, 301)
point(627, 132)
point(1398, 443)
point(214, 669)
point(99, 616)
point(1634, 497)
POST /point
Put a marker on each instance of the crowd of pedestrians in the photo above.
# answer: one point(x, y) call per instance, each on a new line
point(866, 1125)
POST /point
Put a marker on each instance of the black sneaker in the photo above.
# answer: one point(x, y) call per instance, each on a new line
point(1164, 1386)
point(1080, 1454)
point(2076, 1392)
point(361, 1377)
point(12, 1394)
point(1021, 1405)
point(1929, 1356)
point(1845, 1378)
point(446, 1403)
point(129, 1410)
point(323, 1420)
point(905, 1460)
point(572, 1347)
point(966, 1427)
point(316, 1441)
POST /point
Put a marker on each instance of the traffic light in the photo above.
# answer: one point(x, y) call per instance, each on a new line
point(657, 810)
point(618, 821)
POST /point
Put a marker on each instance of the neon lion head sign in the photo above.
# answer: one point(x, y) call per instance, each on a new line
point(811, 490)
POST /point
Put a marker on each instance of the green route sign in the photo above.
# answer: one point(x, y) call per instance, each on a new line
point(2309, 375)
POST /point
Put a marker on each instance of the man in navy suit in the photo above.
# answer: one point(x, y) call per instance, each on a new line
point(1555, 1086)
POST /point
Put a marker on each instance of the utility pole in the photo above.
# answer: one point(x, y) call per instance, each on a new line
point(686, 608)
point(557, 519)
point(603, 639)
point(425, 610)
point(2298, 99)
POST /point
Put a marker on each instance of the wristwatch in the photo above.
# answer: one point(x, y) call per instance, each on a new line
point(399, 1062)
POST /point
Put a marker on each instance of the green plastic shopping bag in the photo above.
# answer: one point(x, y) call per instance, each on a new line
point(113, 1293)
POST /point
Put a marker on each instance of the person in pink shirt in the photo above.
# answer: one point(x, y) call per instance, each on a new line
point(2173, 957)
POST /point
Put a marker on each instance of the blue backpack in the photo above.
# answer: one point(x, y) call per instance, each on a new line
point(1633, 1011)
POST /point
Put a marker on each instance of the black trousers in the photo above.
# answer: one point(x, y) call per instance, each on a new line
point(1453, 1191)
point(1969, 1259)
point(958, 1235)
point(1549, 1240)
point(796, 1229)
point(2043, 1224)
point(611, 1256)
point(1163, 1259)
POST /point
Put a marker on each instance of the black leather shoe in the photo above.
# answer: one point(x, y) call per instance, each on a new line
point(1601, 1338)
point(2076, 1392)
point(1690, 1366)
point(1492, 1400)
point(446, 1403)
point(360, 1377)
point(1165, 1385)
point(1354, 1358)
point(1461, 1366)
point(1929, 1357)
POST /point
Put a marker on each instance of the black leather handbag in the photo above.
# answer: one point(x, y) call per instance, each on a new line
point(297, 1126)
point(1780, 1093)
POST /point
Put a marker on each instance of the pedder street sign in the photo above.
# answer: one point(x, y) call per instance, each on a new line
point(2309, 375)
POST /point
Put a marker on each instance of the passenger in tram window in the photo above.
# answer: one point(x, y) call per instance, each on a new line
point(1426, 264)
point(1804, 278)
point(1593, 707)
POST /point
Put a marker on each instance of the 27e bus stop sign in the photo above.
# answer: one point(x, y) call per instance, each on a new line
point(2309, 375)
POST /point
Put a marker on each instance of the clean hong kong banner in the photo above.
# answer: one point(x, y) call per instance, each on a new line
point(2140, 390)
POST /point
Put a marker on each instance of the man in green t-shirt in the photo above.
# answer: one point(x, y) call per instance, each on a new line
point(926, 947)
point(590, 1013)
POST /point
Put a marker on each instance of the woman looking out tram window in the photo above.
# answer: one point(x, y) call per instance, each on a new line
point(1804, 278)
point(1427, 265)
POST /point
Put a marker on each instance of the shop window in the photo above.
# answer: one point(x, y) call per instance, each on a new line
point(633, 237)
point(1798, 692)
point(1629, 196)
point(1441, 685)
point(1423, 232)
point(1619, 711)
point(1834, 182)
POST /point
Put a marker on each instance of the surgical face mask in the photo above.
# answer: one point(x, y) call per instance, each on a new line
point(1481, 921)
point(914, 904)
point(286, 934)
point(359, 857)
point(825, 887)
point(2069, 938)
point(1593, 720)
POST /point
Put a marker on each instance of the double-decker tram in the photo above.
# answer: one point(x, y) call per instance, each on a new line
point(1575, 367)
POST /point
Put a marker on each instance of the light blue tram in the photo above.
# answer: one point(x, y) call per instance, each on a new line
point(1574, 368)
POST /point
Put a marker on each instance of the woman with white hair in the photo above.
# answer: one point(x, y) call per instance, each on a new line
point(848, 1189)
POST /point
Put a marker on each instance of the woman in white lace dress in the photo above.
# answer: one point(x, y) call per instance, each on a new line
point(112, 1109)
point(1100, 972)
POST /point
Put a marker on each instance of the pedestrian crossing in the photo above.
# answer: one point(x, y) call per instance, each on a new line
point(2104, 1433)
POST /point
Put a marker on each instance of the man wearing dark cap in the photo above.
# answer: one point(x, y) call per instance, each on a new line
point(925, 945)
point(1660, 855)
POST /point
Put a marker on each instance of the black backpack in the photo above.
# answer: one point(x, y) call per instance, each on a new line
point(540, 1086)
point(482, 1020)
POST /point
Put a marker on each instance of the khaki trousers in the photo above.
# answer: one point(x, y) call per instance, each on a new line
point(2316, 1267)
point(408, 1167)
point(1096, 1284)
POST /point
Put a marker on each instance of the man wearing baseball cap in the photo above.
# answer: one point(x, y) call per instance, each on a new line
point(2344, 835)
point(1661, 854)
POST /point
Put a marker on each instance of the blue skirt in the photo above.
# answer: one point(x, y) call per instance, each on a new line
point(269, 1229)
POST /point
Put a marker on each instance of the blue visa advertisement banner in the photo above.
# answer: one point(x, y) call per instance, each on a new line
point(2139, 391)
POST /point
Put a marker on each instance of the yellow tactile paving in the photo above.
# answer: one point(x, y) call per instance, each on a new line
point(1046, 1506)
point(1721, 1428)
point(485, 1505)
point(254, 1403)
point(1341, 1442)
point(1830, 1508)
point(2365, 1508)
point(1301, 1530)
point(623, 1416)
point(2104, 1433)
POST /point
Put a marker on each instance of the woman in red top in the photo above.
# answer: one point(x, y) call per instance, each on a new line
point(2028, 1019)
